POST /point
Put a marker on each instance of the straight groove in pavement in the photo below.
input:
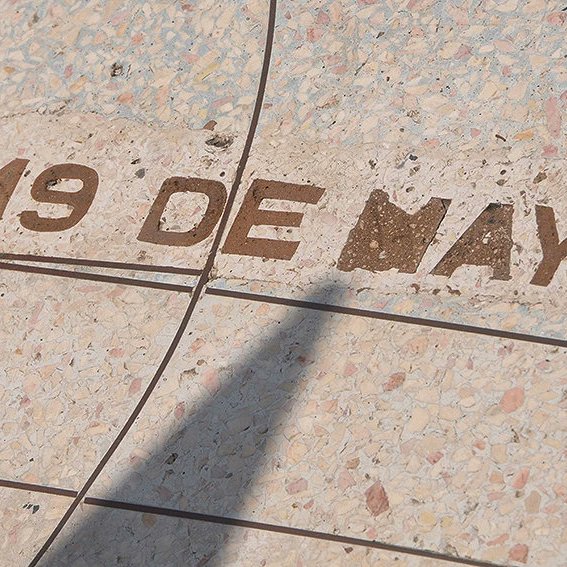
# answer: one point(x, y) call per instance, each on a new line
point(236, 522)
point(100, 264)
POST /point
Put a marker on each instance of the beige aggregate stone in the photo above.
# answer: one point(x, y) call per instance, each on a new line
point(110, 228)
point(65, 394)
point(143, 538)
point(138, 91)
point(404, 434)
point(27, 521)
point(450, 100)
point(152, 62)
point(317, 438)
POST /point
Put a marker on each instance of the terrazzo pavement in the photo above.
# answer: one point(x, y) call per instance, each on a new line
point(282, 283)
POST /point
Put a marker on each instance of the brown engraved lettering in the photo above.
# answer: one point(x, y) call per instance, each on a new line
point(387, 237)
point(43, 192)
point(250, 214)
point(10, 174)
point(553, 250)
point(487, 242)
point(214, 190)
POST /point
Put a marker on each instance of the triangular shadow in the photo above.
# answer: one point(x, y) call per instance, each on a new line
point(209, 465)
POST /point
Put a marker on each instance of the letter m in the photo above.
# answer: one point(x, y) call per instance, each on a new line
point(387, 237)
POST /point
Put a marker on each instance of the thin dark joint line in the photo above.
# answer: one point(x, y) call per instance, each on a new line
point(423, 322)
point(94, 277)
point(203, 279)
point(17, 485)
point(288, 530)
point(211, 519)
point(101, 264)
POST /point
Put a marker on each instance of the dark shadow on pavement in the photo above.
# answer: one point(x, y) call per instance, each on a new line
point(209, 465)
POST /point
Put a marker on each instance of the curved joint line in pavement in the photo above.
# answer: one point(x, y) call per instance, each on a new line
point(203, 279)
